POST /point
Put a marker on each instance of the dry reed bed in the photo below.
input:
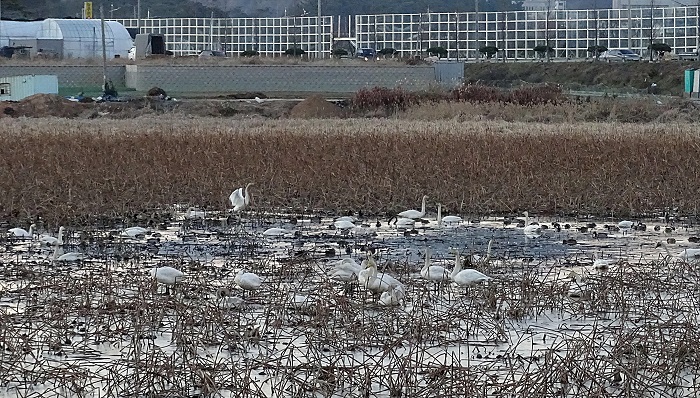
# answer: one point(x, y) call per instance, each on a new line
point(63, 170)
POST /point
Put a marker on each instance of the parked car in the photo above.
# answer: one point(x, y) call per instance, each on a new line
point(367, 53)
point(688, 56)
point(622, 55)
point(211, 53)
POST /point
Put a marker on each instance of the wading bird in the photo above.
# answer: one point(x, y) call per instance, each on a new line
point(22, 233)
point(466, 277)
point(447, 220)
point(247, 280)
point(414, 214)
point(49, 240)
point(532, 230)
point(376, 282)
point(434, 273)
point(240, 198)
point(167, 276)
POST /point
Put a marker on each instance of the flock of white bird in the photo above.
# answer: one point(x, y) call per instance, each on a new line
point(389, 289)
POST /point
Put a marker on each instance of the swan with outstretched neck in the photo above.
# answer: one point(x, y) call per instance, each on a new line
point(377, 282)
point(414, 214)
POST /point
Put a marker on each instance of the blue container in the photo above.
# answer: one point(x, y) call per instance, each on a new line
point(689, 80)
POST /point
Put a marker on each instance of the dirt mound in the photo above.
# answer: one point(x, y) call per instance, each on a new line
point(155, 92)
point(315, 107)
point(43, 105)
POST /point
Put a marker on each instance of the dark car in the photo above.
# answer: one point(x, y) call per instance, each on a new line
point(366, 53)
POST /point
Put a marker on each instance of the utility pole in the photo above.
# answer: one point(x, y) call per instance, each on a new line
point(597, 23)
point(546, 30)
point(104, 49)
point(476, 18)
point(319, 36)
point(651, 32)
point(138, 16)
point(457, 36)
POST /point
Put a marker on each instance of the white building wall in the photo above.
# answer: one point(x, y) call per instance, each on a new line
point(515, 33)
point(269, 36)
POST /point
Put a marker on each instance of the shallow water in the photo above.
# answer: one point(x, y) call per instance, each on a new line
point(100, 327)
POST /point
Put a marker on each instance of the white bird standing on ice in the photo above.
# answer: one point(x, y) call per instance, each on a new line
point(167, 276)
point(247, 280)
point(690, 255)
point(434, 273)
point(345, 270)
point(240, 198)
point(343, 225)
point(625, 226)
point(405, 223)
point(346, 218)
point(532, 230)
point(447, 220)
point(377, 282)
point(135, 232)
point(466, 277)
point(49, 240)
point(22, 233)
point(70, 257)
point(414, 214)
point(276, 232)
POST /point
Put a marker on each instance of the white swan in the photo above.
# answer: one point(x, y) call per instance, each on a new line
point(247, 280)
point(435, 273)
point(405, 223)
point(194, 214)
point(448, 220)
point(276, 232)
point(603, 263)
point(298, 301)
point(625, 226)
point(59, 256)
point(374, 281)
point(343, 225)
point(345, 270)
point(135, 232)
point(466, 277)
point(167, 276)
point(414, 214)
point(240, 198)
point(22, 233)
point(688, 255)
point(533, 230)
point(393, 296)
point(49, 240)
point(346, 218)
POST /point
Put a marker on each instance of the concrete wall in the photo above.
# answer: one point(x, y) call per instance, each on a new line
point(68, 75)
point(277, 78)
point(241, 78)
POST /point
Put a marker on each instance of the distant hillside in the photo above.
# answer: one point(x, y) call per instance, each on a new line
point(39, 9)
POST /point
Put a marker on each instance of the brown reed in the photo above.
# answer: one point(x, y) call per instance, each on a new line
point(69, 170)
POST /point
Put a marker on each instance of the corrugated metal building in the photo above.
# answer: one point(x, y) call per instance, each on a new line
point(15, 88)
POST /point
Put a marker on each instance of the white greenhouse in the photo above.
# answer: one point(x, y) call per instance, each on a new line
point(68, 38)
